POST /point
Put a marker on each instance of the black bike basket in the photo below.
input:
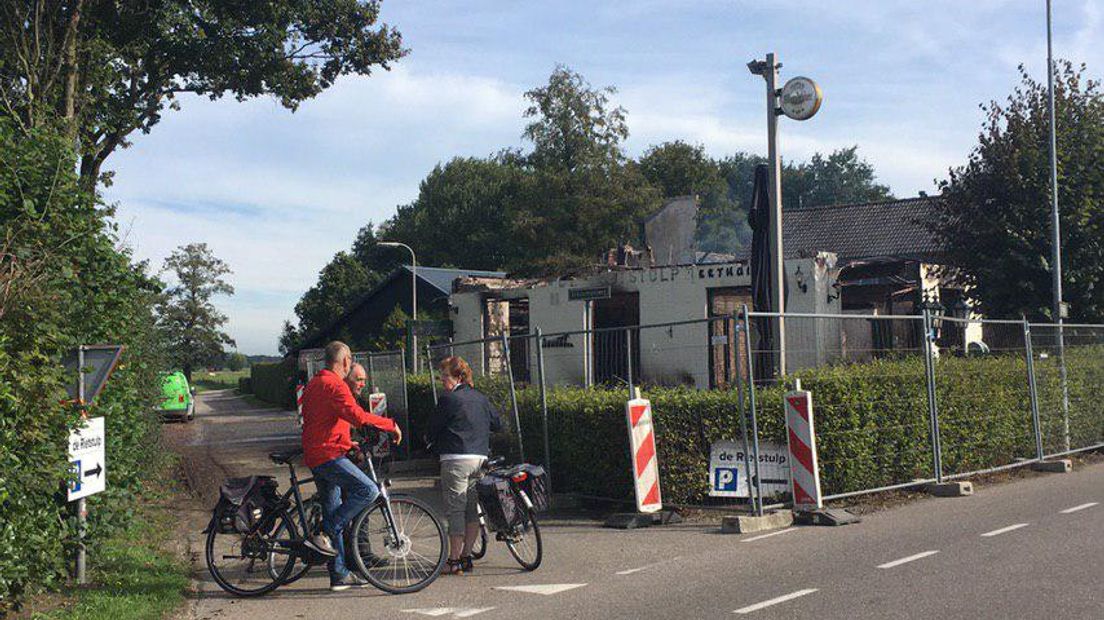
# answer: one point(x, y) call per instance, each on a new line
point(243, 502)
point(501, 506)
point(536, 486)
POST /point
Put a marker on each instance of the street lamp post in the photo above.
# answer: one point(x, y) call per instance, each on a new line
point(799, 99)
point(413, 297)
point(1060, 310)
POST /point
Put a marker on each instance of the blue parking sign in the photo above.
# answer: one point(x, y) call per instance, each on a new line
point(726, 479)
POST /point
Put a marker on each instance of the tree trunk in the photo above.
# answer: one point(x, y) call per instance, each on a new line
point(72, 73)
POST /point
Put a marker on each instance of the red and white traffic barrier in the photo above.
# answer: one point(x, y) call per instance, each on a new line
point(801, 437)
point(377, 403)
point(645, 461)
point(299, 402)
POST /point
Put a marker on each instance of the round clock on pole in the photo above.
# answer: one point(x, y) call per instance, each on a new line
point(801, 98)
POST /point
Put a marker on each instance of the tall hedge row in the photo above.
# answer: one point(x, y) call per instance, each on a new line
point(872, 422)
point(274, 382)
point(64, 282)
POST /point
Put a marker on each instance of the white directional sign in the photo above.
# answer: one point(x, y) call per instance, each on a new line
point(87, 459)
point(728, 477)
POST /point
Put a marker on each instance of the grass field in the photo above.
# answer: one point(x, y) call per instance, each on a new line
point(217, 380)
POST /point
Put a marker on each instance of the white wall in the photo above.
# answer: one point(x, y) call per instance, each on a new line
point(676, 354)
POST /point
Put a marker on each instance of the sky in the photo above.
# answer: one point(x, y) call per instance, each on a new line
point(276, 194)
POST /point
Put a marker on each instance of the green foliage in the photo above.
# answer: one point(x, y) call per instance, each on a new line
point(871, 418)
point(245, 385)
point(274, 382)
point(236, 361)
point(65, 283)
point(191, 323)
point(997, 208)
point(134, 58)
point(840, 178)
point(465, 194)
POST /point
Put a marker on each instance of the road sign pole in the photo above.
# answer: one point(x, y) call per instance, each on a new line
point(82, 507)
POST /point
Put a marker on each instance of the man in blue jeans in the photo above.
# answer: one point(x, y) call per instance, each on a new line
point(329, 411)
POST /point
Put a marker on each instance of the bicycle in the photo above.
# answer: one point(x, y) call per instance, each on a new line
point(273, 551)
point(522, 539)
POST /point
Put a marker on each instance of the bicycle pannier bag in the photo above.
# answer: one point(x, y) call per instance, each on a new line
point(535, 486)
point(501, 505)
point(243, 502)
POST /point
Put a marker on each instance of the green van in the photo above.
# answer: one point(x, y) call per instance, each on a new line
point(179, 399)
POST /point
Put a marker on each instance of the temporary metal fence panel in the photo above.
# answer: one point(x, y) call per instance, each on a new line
point(387, 373)
point(491, 366)
point(1069, 375)
point(901, 400)
point(874, 412)
point(984, 395)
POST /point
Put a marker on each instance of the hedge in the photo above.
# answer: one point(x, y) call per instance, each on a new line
point(65, 283)
point(274, 382)
point(245, 385)
point(872, 422)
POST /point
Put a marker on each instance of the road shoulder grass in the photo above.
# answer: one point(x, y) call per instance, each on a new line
point(137, 574)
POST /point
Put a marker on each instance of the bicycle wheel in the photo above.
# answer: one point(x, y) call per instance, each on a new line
point(289, 530)
point(479, 549)
point(405, 565)
point(239, 563)
point(524, 542)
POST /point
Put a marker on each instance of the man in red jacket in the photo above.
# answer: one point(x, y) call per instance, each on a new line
point(329, 412)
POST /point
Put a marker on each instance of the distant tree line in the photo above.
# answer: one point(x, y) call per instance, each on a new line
point(557, 207)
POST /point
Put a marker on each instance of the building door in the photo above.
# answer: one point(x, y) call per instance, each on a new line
point(725, 348)
point(610, 361)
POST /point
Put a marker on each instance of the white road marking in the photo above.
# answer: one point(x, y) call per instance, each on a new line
point(911, 558)
point(1004, 530)
point(456, 612)
point(762, 536)
point(774, 601)
point(646, 567)
point(1081, 507)
point(546, 590)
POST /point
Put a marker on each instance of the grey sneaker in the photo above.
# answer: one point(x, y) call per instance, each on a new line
point(321, 543)
point(352, 580)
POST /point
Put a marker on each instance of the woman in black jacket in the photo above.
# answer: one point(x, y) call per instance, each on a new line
point(460, 433)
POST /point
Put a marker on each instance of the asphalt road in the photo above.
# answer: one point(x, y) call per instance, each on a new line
point(1028, 548)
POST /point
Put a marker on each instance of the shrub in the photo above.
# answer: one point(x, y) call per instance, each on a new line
point(245, 385)
point(63, 282)
point(274, 382)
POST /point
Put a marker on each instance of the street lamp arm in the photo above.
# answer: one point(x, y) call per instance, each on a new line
point(413, 273)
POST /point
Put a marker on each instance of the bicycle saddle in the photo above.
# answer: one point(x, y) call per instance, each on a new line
point(283, 458)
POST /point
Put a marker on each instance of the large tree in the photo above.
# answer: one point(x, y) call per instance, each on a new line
point(463, 213)
point(191, 323)
point(840, 178)
point(111, 68)
point(581, 196)
point(995, 224)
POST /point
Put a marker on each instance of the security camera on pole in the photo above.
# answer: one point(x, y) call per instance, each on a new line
point(799, 99)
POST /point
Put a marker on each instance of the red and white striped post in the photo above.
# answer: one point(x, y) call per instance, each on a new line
point(299, 402)
point(645, 462)
point(801, 437)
